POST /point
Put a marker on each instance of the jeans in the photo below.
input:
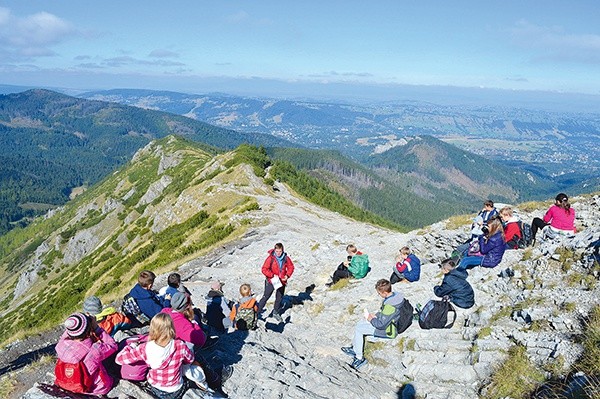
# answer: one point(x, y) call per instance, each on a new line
point(469, 262)
point(363, 328)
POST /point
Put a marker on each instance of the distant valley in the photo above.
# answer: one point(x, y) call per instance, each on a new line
point(565, 145)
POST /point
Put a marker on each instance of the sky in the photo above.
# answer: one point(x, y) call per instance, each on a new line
point(200, 46)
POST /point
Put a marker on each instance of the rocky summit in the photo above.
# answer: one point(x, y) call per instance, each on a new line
point(539, 306)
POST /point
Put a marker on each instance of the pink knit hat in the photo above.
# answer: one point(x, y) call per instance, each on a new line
point(76, 324)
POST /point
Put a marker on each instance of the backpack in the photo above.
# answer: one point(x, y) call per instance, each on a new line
point(435, 315)
point(526, 235)
point(132, 310)
point(245, 317)
point(405, 318)
point(73, 377)
point(136, 371)
point(359, 266)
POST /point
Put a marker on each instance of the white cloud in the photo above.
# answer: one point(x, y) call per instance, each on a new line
point(23, 38)
point(552, 43)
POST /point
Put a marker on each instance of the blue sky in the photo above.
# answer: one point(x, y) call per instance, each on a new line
point(195, 46)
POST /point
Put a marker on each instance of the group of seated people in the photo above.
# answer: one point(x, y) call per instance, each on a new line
point(97, 345)
point(493, 232)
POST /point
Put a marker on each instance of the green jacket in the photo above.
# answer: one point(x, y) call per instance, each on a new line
point(359, 266)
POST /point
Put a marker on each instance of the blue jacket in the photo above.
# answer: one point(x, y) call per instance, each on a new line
point(150, 304)
point(458, 289)
point(492, 250)
point(414, 264)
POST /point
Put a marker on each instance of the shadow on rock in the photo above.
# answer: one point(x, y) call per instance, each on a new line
point(407, 391)
point(288, 301)
point(28, 358)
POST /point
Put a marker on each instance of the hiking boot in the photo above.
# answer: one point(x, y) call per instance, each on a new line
point(226, 372)
point(358, 363)
point(348, 351)
point(329, 284)
point(277, 317)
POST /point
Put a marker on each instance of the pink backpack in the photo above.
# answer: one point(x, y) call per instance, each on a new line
point(138, 370)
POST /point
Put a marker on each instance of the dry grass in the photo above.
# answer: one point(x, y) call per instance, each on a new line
point(454, 222)
point(343, 283)
point(517, 377)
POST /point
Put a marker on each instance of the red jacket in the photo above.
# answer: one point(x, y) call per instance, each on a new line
point(511, 229)
point(270, 267)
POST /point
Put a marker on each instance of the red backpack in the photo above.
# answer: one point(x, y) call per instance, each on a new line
point(73, 377)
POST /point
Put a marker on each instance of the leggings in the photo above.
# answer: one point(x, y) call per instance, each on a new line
point(268, 292)
point(537, 224)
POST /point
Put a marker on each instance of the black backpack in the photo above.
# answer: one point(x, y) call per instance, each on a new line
point(526, 235)
point(405, 318)
point(435, 315)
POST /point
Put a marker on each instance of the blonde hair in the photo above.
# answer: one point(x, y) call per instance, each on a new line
point(146, 278)
point(405, 251)
point(162, 330)
point(245, 289)
point(506, 210)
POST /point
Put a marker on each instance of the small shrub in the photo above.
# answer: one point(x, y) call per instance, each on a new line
point(315, 247)
point(568, 306)
point(485, 332)
point(352, 308)
point(316, 308)
point(527, 254)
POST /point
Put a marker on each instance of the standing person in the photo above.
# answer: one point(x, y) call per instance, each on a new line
point(277, 269)
point(84, 342)
point(560, 217)
point(379, 325)
point(455, 286)
point(165, 355)
point(491, 246)
point(356, 265)
point(512, 231)
point(407, 268)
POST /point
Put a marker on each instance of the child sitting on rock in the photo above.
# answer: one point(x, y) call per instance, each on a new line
point(148, 301)
point(165, 357)
point(378, 325)
point(356, 265)
point(244, 313)
point(407, 268)
point(108, 319)
point(80, 352)
point(455, 285)
point(217, 308)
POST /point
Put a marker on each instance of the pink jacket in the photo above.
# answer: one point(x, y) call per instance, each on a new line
point(93, 353)
point(185, 329)
point(559, 219)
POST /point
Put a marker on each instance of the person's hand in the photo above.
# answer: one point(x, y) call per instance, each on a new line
point(485, 230)
point(168, 297)
point(284, 278)
point(346, 263)
point(370, 317)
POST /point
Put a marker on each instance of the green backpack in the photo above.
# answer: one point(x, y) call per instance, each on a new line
point(359, 266)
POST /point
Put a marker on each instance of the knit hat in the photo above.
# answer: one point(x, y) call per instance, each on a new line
point(216, 285)
point(179, 301)
point(76, 324)
point(92, 305)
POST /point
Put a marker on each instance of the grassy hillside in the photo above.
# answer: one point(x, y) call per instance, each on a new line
point(51, 143)
point(173, 201)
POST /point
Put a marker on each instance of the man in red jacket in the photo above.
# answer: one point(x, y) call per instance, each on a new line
point(277, 268)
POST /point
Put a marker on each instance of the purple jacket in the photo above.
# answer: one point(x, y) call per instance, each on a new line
point(492, 250)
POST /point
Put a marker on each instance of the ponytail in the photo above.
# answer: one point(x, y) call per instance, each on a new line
point(563, 202)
